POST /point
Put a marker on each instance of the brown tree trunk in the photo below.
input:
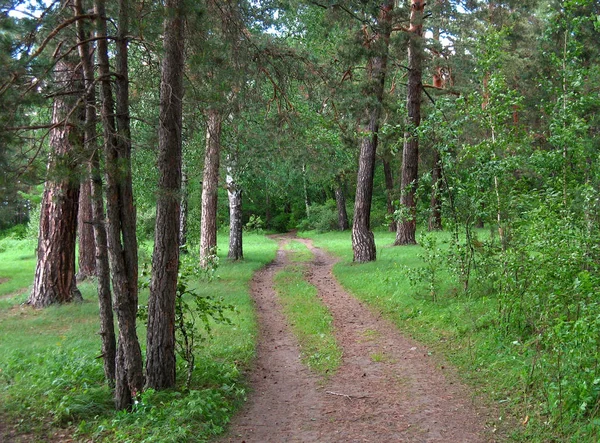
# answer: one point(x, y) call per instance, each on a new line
point(107, 327)
point(363, 241)
point(160, 344)
point(407, 226)
point(122, 242)
point(55, 270)
point(435, 205)
point(87, 245)
point(340, 201)
point(389, 190)
point(210, 183)
point(234, 192)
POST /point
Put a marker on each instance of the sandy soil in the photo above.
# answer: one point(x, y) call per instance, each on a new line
point(388, 388)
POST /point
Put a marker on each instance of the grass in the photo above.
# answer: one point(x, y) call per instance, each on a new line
point(459, 327)
point(310, 319)
point(50, 376)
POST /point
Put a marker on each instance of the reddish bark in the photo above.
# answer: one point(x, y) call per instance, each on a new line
point(406, 233)
point(55, 270)
point(87, 244)
point(210, 184)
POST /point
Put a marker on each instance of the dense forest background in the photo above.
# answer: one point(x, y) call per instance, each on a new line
point(185, 119)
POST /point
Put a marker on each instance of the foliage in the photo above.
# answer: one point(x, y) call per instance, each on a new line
point(322, 218)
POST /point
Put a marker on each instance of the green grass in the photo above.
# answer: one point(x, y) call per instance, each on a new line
point(460, 328)
point(50, 375)
point(17, 266)
point(310, 319)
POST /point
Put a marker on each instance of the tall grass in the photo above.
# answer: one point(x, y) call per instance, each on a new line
point(51, 376)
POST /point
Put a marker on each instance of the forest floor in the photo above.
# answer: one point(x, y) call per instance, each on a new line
point(388, 388)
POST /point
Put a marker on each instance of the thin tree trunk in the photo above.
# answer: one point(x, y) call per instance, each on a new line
point(87, 245)
point(234, 192)
point(407, 226)
point(55, 270)
point(305, 189)
point(389, 190)
point(183, 225)
point(435, 205)
point(160, 345)
point(107, 327)
point(363, 241)
point(210, 183)
point(340, 201)
point(122, 243)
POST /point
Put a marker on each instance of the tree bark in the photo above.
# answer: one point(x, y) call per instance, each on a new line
point(340, 201)
point(160, 344)
point(210, 183)
point(87, 245)
point(363, 241)
point(102, 271)
point(234, 192)
point(389, 190)
point(435, 204)
point(55, 270)
point(406, 233)
point(122, 242)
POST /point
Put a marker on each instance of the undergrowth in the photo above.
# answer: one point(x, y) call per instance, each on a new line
point(51, 376)
point(528, 343)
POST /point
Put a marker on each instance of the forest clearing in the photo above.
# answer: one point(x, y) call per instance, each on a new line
point(289, 220)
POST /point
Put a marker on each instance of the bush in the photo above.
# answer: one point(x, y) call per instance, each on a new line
point(322, 218)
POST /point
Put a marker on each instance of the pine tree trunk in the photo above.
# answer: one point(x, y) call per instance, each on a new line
point(435, 205)
point(234, 192)
point(406, 233)
point(102, 271)
point(87, 245)
point(122, 243)
point(389, 190)
point(210, 183)
point(183, 225)
point(340, 201)
point(363, 241)
point(160, 344)
point(55, 270)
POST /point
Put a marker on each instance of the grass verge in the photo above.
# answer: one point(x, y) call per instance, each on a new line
point(460, 328)
point(311, 321)
point(51, 378)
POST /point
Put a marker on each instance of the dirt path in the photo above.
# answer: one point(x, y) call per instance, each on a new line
point(388, 389)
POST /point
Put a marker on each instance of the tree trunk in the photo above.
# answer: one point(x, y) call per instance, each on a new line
point(210, 183)
point(55, 270)
point(122, 243)
point(435, 205)
point(160, 344)
point(363, 241)
point(183, 211)
point(107, 327)
point(340, 201)
point(87, 245)
point(389, 190)
point(407, 226)
point(234, 192)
